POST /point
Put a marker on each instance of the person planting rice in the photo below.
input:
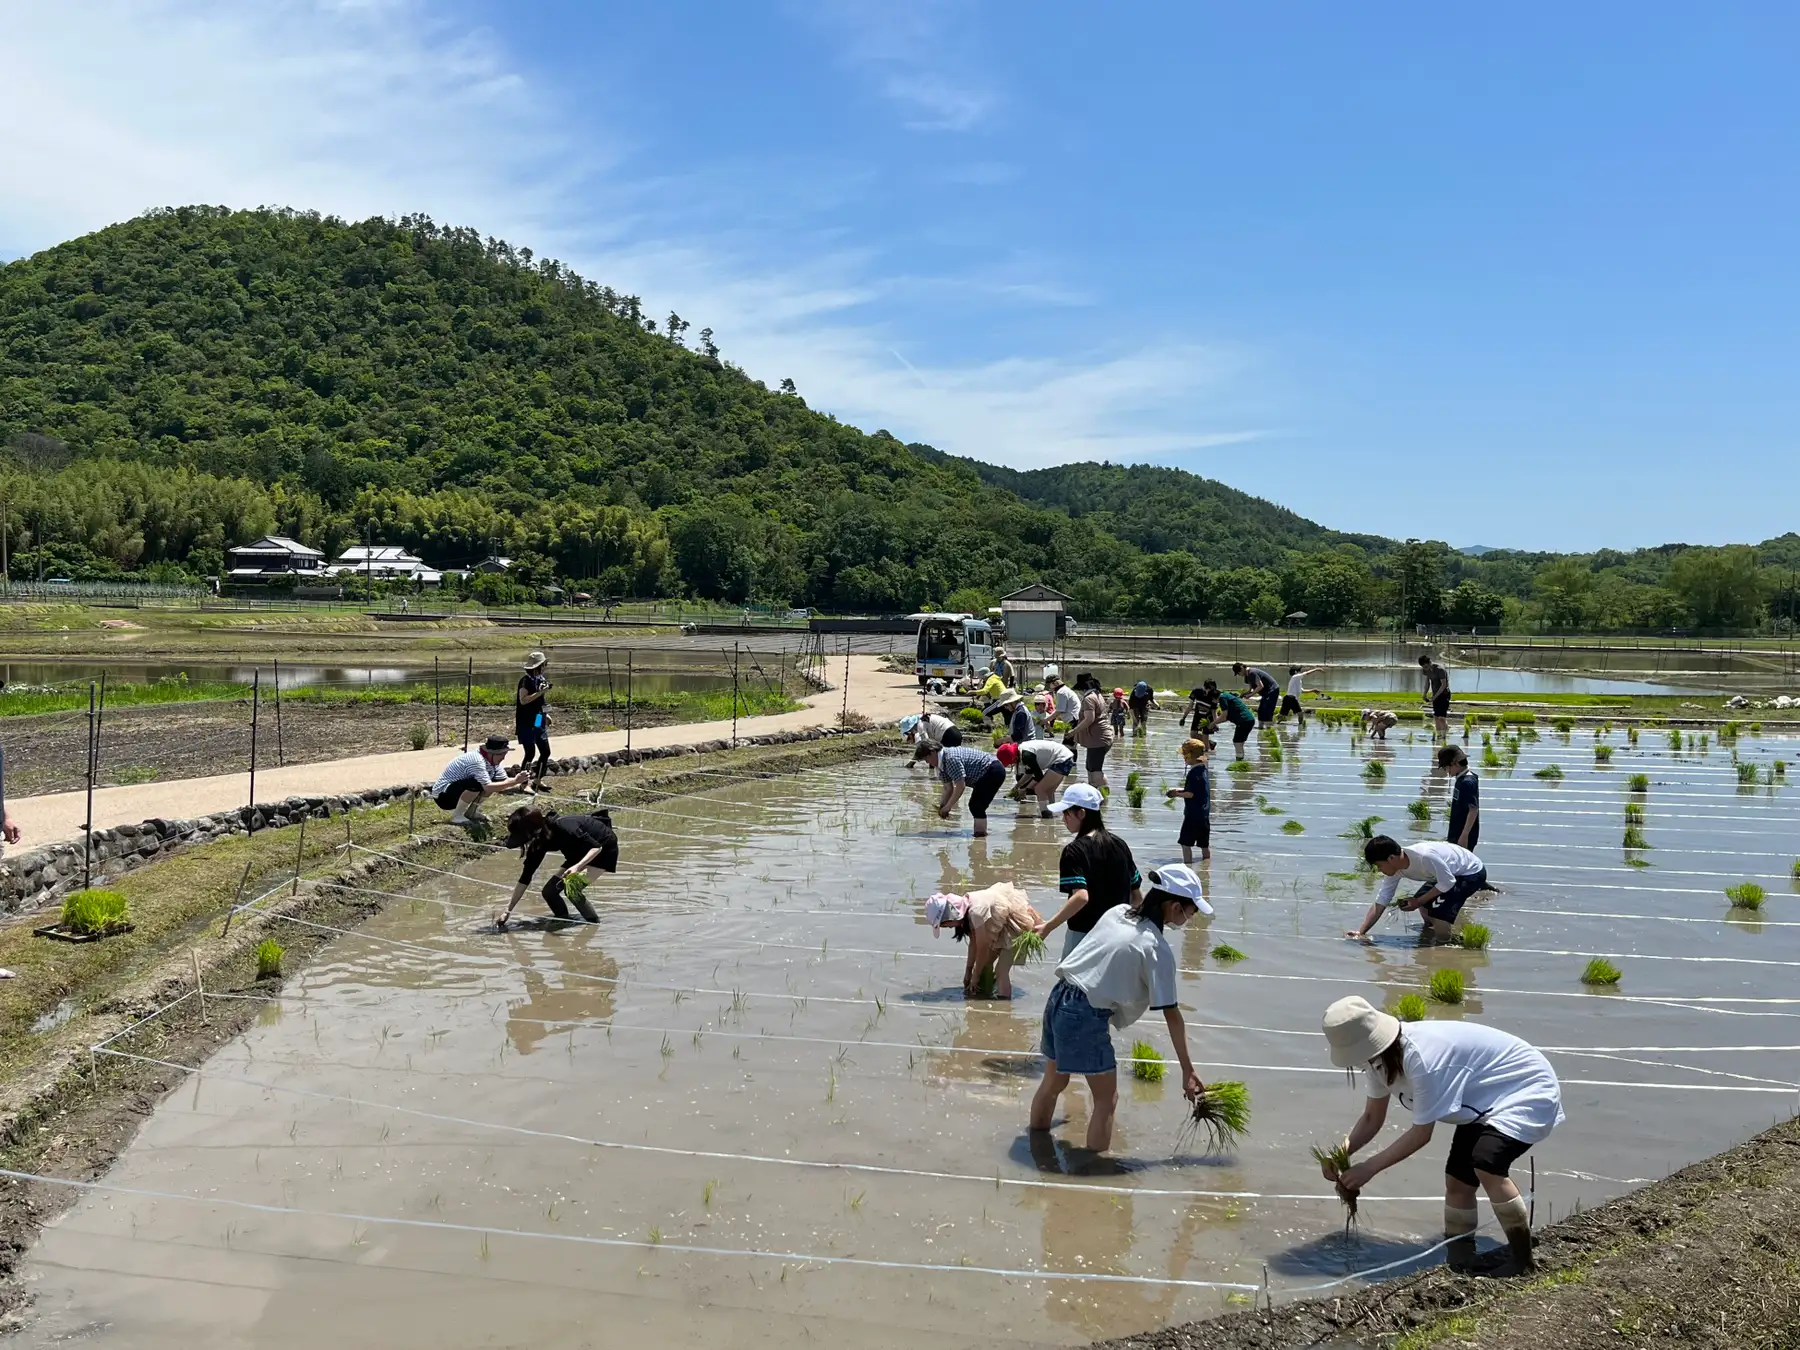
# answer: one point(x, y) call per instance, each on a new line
point(472, 777)
point(1231, 708)
point(1261, 686)
point(1043, 765)
point(1377, 721)
point(1122, 969)
point(1437, 692)
point(1196, 795)
point(1465, 797)
point(961, 767)
point(1097, 871)
point(531, 715)
point(1117, 712)
point(1296, 691)
point(988, 920)
point(1451, 875)
point(585, 842)
point(1202, 710)
point(1011, 709)
point(1499, 1092)
point(1093, 730)
point(1142, 700)
point(1065, 703)
point(989, 686)
point(930, 726)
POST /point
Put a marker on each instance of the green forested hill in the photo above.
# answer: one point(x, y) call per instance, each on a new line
point(199, 376)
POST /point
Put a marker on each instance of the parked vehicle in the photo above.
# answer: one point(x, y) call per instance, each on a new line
point(952, 646)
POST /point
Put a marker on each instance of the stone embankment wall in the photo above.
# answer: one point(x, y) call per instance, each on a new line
point(33, 879)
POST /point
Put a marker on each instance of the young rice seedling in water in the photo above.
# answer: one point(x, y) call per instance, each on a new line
point(1147, 1065)
point(1227, 953)
point(1600, 971)
point(268, 959)
point(1337, 1159)
point(1410, 1008)
point(1549, 771)
point(1746, 895)
point(1446, 986)
point(1474, 936)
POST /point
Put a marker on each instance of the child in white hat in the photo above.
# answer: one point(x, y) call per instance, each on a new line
point(1499, 1092)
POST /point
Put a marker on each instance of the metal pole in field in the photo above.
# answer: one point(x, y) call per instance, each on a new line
point(734, 694)
point(844, 720)
point(612, 703)
point(468, 701)
point(630, 704)
point(280, 752)
point(87, 830)
point(299, 852)
point(437, 701)
point(255, 708)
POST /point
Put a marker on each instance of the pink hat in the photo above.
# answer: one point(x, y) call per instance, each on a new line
point(944, 908)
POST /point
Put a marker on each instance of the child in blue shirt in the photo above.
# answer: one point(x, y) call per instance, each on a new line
point(1196, 794)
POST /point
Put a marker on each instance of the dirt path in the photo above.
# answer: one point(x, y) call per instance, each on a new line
point(875, 692)
point(1704, 1260)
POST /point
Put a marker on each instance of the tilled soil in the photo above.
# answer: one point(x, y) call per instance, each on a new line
point(159, 742)
point(1709, 1257)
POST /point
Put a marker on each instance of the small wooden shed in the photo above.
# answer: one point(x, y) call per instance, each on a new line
point(1034, 613)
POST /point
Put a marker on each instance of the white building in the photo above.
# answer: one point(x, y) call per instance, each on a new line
point(384, 562)
point(272, 556)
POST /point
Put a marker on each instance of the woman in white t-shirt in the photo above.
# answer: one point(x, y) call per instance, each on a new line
point(1119, 971)
point(1499, 1092)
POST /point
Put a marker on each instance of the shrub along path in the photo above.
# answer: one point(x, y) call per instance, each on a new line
point(876, 692)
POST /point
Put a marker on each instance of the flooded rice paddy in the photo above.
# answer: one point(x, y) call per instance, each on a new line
point(752, 1108)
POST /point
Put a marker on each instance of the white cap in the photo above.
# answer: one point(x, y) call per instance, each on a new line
point(1179, 880)
point(1357, 1031)
point(1079, 794)
point(1052, 672)
point(945, 908)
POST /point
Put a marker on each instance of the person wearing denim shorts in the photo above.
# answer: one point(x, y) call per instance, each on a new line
point(1120, 971)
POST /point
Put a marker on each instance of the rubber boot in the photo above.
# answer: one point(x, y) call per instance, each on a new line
point(553, 897)
point(1459, 1228)
point(1515, 1222)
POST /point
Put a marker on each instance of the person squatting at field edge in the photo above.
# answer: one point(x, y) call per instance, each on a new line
point(585, 842)
point(989, 920)
point(472, 777)
point(1451, 875)
point(1498, 1090)
point(1122, 969)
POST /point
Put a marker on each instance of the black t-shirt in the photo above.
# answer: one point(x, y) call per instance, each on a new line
point(532, 716)
point(1465, 795)
point(1436, 678)
point(1204, 706)
point(1102, 865)
point(573, 836)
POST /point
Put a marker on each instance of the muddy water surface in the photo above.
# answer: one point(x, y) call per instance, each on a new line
point(615, 1136)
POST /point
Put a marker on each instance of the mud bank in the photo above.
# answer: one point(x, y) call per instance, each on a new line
point(1706, 1258)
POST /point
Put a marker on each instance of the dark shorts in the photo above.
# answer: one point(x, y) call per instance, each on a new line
point(983, 789)
point(1447, 906)
point(451, 795)
point(1241, 732)
point(1477, 1146)
point(952, 737)
point(1196, 832)
point(1030, 768)
point(1265, 708)
point(1290, 704)
point(1077, 1035)
point(1096, 757)
point(1440, 705)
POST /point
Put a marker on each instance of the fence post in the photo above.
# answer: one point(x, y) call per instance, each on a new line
point(437, 702)
point(255, 708)
point(280, 752)
point(630, 707)
point(299, 852)
point(844, 719)
point(734, 694)
point(87, 830)
point(199, 988)
point(468, 701)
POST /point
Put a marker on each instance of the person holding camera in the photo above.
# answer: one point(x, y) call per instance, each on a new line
point(531, 714)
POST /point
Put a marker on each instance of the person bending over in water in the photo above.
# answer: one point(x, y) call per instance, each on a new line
point(1451, 875)
point(585, 842)
point(1121, 970)
point(988, 920)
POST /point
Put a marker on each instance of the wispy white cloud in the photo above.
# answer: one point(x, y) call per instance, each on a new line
point(920, 52)
point(379, 108)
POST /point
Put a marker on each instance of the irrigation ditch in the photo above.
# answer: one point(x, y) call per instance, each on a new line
point(186, 980)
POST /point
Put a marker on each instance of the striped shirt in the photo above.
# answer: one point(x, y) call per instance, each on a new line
point(964, 763)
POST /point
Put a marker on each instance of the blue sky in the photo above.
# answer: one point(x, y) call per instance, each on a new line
point(1519, 275)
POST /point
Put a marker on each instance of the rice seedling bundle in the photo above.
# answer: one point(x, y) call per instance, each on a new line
point(1730, 731)
point(1601, 972)
point(1337, 1162)
point(1474, 936)
point(1745, 895)
point(1135, 794)
point(1638, 782)
point(1134, 779)
point(1446, 986)
point(1549, 771)
point(1634, 814)
point(1362, 829)
point(1487, 738)
point(1222, 1114)
point(1272, 753)
point(1375, 771)
point(970, 717)
point(1420, 811)
point(575, 885)
point(985, 982)
point(1675, 740)
point(1634, 838)
point(1778, 769)
point(1563, 724)
point(1518, 717)
point(1631, 735)
point(1410, 1008)
point(1746, 773)
point(1238, 766)
point(1603, 754)
point(1147, 1065)
point(95, 911)
point(1028, 947)
point(1292, 827)
point(1227, 953)
point(1490, 760)
point(1797, 869)
point(268, 959)
point(1756, 728)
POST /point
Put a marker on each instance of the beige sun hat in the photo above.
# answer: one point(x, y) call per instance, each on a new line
point(1357, 1031)
point(535, 660)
